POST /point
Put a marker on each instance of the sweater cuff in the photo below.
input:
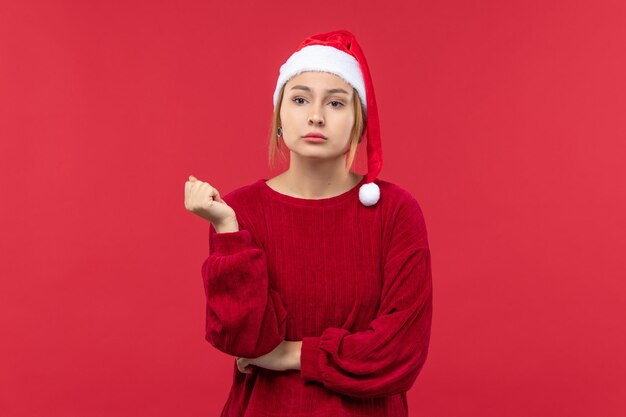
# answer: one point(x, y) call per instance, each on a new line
point(310, 357)
point(228, 243)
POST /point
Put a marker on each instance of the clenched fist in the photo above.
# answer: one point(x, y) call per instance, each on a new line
point(204, 200)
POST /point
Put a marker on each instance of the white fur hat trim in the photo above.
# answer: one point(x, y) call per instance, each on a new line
point(323, 58)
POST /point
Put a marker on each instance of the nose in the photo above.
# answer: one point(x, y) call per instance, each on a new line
point(316, 118)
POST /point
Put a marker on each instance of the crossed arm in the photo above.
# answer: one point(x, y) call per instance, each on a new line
point(286, 356)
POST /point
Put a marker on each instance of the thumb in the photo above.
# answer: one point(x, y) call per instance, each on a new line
point(192, 178)
point(219, 199)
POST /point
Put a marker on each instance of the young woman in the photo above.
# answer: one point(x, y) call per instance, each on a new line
point(324, 299)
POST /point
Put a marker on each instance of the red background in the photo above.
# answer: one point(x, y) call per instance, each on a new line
point(506, 120)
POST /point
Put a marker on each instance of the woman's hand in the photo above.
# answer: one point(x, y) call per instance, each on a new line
point(203, 199)
point(284, 357)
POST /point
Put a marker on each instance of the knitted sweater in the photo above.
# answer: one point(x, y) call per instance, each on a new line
point(353, 283)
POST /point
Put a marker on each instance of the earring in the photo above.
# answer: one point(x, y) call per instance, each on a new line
point(279, 131)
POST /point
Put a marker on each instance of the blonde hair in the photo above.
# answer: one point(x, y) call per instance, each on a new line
point(355, 135)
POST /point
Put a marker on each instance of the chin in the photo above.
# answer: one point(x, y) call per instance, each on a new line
point(305, 151)
point(312, 156)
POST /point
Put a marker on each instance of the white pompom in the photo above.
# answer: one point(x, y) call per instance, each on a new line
point(369, 193)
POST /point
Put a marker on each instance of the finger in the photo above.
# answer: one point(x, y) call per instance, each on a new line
point(195, 187)
point(210, 188)
point(213, 195)
point(244, 369)
point(216, 196)
point(205, 192)
point(192, 178)
point(244, 363)
point(190, 193)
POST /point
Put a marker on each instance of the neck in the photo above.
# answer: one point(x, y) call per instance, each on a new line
point(314, 179)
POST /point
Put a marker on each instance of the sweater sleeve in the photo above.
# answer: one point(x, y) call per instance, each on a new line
point(245, 317)
point(386, 358)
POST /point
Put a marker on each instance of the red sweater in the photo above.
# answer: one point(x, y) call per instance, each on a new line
point(353, 283)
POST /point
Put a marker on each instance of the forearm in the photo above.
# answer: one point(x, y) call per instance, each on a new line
point(296, 348)
point(236, 269)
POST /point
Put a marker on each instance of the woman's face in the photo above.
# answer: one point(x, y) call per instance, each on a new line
point(318, 102)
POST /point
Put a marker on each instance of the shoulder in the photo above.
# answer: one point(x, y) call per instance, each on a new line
point(401, 210)
point(243, 194)
point(396, 198)
point(245, 201)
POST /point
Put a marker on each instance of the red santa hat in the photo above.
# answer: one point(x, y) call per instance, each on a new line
point(338, 52)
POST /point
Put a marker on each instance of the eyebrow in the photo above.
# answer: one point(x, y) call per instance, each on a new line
point(329, 91)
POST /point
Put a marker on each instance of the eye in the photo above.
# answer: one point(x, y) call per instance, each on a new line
point(340, 104)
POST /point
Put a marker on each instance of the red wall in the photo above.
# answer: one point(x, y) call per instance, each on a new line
point(506, 120)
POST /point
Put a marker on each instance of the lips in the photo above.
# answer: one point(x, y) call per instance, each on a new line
point(314, 135)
